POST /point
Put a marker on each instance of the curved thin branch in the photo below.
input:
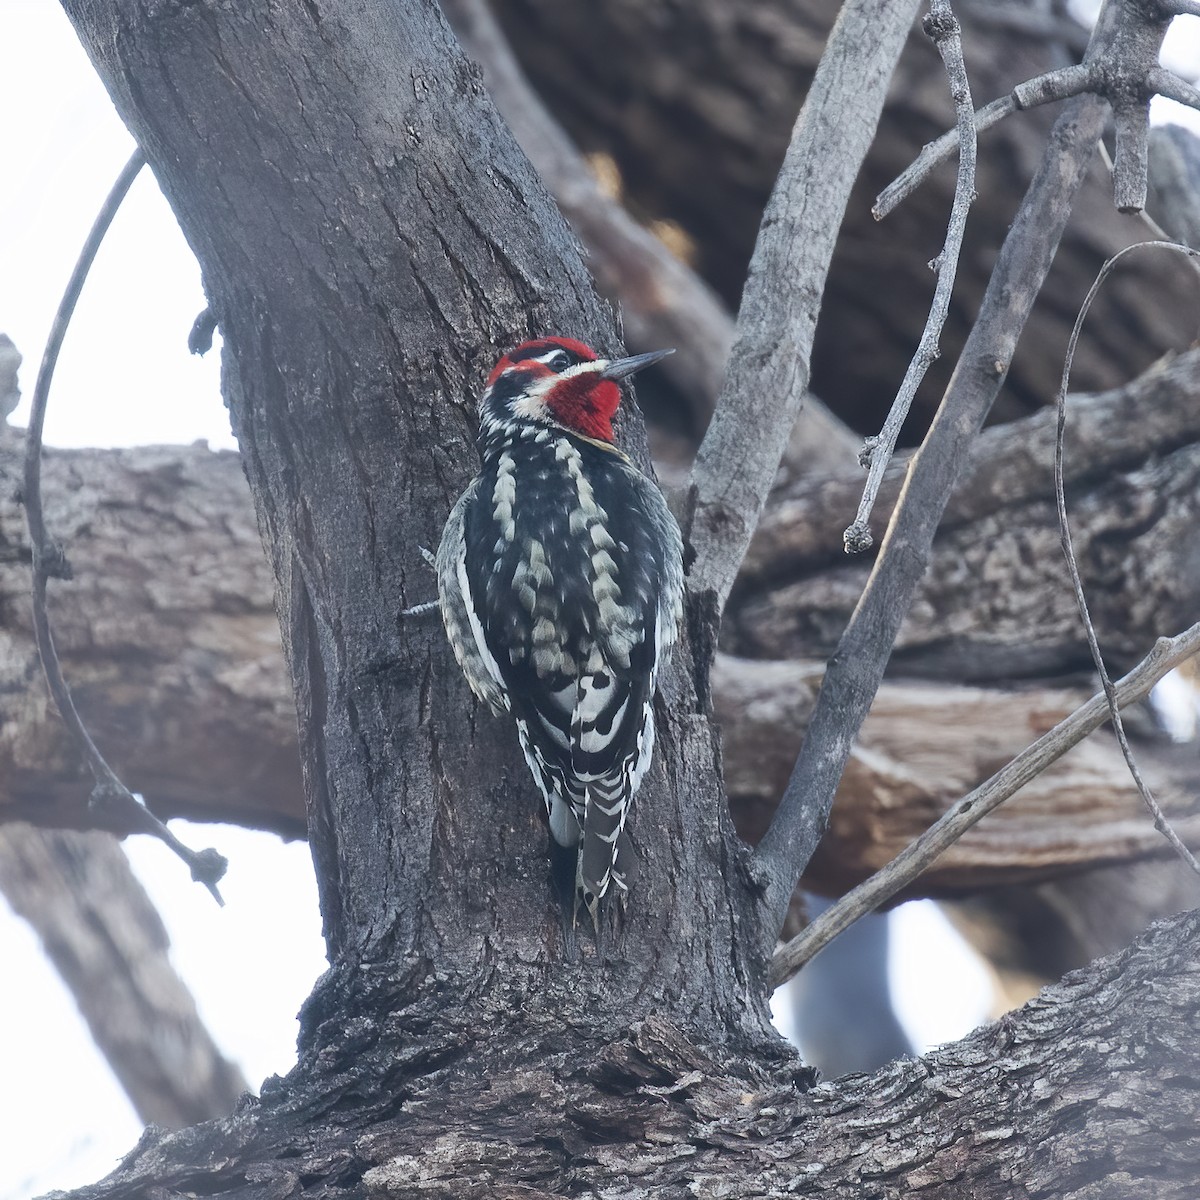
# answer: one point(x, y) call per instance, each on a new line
point(1169, 85)
point(1167, 654)
point(1160, 821)
point(942, 26)
point(207, 866)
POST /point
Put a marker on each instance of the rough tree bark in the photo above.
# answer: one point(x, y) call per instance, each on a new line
point(366, 228)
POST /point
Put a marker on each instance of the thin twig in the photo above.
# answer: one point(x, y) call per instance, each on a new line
point(1167, 654)
point(1056, 85)
point(1170, 86)
point(942, 26)
point(207, 866)
point(1160, 821)
point(1120, 65)
point(857, 667)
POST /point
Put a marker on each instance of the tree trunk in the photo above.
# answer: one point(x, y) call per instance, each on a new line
point(361, 295)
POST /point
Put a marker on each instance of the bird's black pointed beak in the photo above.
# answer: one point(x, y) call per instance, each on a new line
point(622, 368)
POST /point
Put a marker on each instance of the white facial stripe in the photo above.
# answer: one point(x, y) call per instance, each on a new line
point(532, 405)
point(539, 387)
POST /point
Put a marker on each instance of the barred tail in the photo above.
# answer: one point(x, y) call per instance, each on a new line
point(601, 861)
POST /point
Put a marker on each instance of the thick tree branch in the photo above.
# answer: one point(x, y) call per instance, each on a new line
point(103, 935)
point(1085, 1092)
point(994, 603)
point(923, 746)
point(169, 631)
point(767, 376)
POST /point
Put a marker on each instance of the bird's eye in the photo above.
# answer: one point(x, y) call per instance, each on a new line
point(557, 361)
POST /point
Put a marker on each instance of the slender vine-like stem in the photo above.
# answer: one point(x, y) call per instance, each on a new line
point(942, 26)
point(109, 793)
point(1160, 820)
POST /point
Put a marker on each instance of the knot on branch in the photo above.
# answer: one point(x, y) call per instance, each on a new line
point(200, 337)
point(939, 25)
point(857, 538)
point(867, 453)
point(54, 562)
point(109, 798)
point(209, 867)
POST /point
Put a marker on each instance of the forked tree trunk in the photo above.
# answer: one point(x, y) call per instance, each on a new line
point(369, 235)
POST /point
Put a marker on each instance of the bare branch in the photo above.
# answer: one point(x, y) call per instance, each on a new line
point(207, 866)
point(942, 26)
point(768, 369)
point(1167, 654)
point(1132, 157)
point(1052, 87)
point(1121, 65)
point(1160, 821)
point(857, 668)
point(1182, 8)
point(1045, 89)
point(1168, 84)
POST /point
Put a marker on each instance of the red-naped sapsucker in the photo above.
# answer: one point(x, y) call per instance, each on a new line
point(560, 579)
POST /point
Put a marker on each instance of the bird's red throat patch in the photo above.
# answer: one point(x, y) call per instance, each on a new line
point(585, 403)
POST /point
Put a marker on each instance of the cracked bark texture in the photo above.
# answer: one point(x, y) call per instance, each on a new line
point(362, 293)
point(996, 603)
point(369, 236)
point(167, 634)
point(1087, 1093)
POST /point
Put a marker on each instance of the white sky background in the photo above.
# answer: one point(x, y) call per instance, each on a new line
point(125, 377)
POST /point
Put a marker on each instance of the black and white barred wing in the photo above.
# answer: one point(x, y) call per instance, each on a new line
point(460, 614)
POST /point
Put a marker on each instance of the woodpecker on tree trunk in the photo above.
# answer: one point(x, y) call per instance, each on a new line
point(560, 580)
